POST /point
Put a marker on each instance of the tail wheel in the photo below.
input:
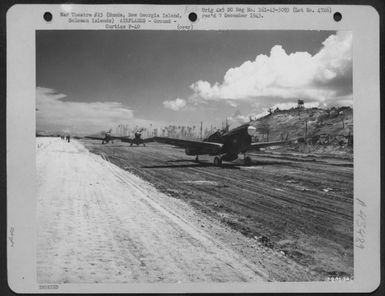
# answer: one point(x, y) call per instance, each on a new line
point(217, 161)
point(247, 160)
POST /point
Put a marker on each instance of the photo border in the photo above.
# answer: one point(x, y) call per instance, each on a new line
point(381, 106)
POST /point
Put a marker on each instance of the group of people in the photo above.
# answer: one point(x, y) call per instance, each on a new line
point(67, 138)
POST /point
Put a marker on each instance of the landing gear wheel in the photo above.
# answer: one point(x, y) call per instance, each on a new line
point(196, 158)
point(144, 145)
point(131, 145)
point(217, 161)
point(247, 160)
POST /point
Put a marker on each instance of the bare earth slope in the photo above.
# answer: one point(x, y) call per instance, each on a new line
point(99, 223)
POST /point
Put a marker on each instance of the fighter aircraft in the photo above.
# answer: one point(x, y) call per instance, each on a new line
point(137, 139)
point(225, 145)
point(106, 137)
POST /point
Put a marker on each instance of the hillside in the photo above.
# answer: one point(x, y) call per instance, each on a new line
point(323, 131)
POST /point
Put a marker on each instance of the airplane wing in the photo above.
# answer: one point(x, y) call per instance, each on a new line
point(129, 140)
point(257, 145)
point(210, 147)
point(126, 140)
point(148, 140)
point(118, 138)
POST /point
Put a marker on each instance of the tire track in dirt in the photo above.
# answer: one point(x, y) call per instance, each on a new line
point(265, 192)
point(268, 205)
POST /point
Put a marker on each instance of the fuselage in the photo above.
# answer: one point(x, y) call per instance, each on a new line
point(107, 138)
point(138, 139)
point(234, 142)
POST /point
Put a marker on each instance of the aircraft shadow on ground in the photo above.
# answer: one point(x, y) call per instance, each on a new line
point(194, 165)
point(254, 162)
point(261, 162)
point(182, 160)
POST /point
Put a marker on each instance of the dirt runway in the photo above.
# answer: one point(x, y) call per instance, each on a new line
point(297, 209)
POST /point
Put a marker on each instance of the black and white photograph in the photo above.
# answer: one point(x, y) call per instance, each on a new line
point(208, 156)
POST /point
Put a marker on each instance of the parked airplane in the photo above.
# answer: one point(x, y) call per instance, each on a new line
point(105, 137)
point(137, 140)
point(224, 145)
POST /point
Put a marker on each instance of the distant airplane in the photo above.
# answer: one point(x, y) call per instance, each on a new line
point(225, 145)
point(105, 137)
point(137, 140)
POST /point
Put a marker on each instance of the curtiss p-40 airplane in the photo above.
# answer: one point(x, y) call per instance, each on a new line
point(105, 137)
point(137, 140)
point(224, 145)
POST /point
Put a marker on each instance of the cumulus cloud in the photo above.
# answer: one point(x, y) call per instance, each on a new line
point(326, 75)
point(176, 105)
point(237, 119)
point(55, 114)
